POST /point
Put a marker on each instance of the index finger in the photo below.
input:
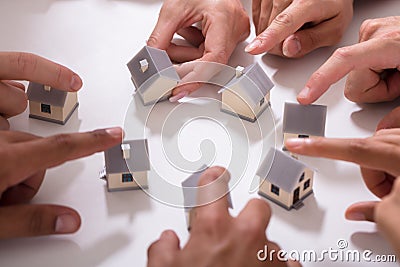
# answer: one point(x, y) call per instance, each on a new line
point(27, 66)
point(365, 152)
point(26, 158)
point(374, 54)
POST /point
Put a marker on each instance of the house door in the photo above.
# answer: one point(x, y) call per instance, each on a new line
point(296, 195)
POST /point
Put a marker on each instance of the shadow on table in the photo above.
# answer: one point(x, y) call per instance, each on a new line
point(372, 241)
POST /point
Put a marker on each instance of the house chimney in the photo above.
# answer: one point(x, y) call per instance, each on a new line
point(239, 71)
point(47, 88)
point(144, 65)
point(126, 151)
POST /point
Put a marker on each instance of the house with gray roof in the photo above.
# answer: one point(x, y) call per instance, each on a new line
point(153, 75)
point(247, 95)
point(127, 165)
point(50, 104)
point(300, 121)
point(190, 188)
point(284, 179)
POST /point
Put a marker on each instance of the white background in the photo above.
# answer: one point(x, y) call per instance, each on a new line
point(96, 38)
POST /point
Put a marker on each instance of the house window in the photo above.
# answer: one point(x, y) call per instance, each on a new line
point(303, 136)
point(262, 101)
point(45, 108)
point(127, 178)
point(306, 184)
point(275, 189)
point(302, 177)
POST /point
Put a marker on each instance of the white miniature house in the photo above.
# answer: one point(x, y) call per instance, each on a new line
point(247, 94)
point(50, 104)
point(300, 121)
point(127, 165)
point(284, 179)
point(153, 75)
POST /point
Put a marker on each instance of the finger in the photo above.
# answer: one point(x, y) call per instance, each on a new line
point(256, 10)
point(193, 35)
point(265, 15)
point(365, 152)
point(16, 137)
point(13, 100)
point(378, 182)
point(277, 8)
point(23, 192)
point(4, 124)
point(181, 53)
point(167, 25)
point(257, 213)
point(24, 160)
point(286, 23)
point(163, 251)
point(15, 84)
point(367, 86)
point(37, 220)
point(362, 211)
point(374, 54)
point(304, 41)
point(391, 120)
point(212, 193)
point(26, 66)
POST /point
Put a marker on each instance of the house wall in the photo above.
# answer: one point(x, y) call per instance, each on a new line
point(70, 102)
point(56, 112)
point(284, 197)
point(231, 102)
point(114, 181)
point(309, 174)
point(159, 87)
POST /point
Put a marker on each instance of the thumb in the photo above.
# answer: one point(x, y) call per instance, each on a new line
point(361, 211)
point(37, 220)
point(391, 120)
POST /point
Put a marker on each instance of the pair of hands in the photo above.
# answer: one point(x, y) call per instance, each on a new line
point(378, 157)
point(216, 238)
point(285, 27)
point(25, 157)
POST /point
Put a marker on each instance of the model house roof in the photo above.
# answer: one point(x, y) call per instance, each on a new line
point(281, 170)
point(308, 120)
point(190, 186)
point(250, 83)
point(119, 160)
point(36, 92)
point(148, 62)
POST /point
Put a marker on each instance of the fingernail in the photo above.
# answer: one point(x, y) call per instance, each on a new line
point(76, 83)
point(178, 96)
point(304, 93)
point(295, 142)
point(115, 132)
point(356, 216)
point(66, 223)
point(291, 47)
point(253, 45)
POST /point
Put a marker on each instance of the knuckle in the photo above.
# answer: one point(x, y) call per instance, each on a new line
point(25, 63)
point(211, 221)
point(284, 19)
point(342, 54)
point(368, 27)
point(63, 141)
point(251, 230)
point(359, 146)
point(37, 225)
point(352, 94)
point(221, 56)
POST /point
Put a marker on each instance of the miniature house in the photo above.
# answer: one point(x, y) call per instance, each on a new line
point(153, 75)
point(247, 95)
point(284, 179)
point(190, 187)
point(301, 121)
point(50, 104)
point(127, 165)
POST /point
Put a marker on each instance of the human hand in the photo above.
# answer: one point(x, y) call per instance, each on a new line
point(293, 28)
point(224, 23)
point(373, 66)
point(25, 66)
point(216, 238)
point(25, 158)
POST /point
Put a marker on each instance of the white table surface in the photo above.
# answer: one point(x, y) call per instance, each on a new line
point(96, 38)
